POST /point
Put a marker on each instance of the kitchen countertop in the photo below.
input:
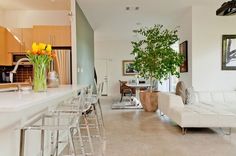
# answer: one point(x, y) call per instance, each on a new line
point(17, 101)
point(19, 108)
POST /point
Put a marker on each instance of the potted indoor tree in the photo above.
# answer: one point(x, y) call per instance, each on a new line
point(155, 60)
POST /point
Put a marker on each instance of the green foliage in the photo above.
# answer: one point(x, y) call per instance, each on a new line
point(154, 57)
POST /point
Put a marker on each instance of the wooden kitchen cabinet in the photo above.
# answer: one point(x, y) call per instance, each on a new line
point(27, 39)
point(19, 40)
point(12, 42)
point(5, 57)
point(54, 35)
point(2, 45)
point(42, 34)
point(62, 36)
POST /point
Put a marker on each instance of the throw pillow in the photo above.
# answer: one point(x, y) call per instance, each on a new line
point(190, 96)
point(180, 90)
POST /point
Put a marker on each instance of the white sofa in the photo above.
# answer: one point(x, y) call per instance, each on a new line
point(211, 109)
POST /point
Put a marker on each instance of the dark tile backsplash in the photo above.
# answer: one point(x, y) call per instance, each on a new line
point(23, 74)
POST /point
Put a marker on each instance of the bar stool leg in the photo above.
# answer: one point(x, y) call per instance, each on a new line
point(42, 143)
point(52, 144)
point(88, 132)
point(22, 142)
point(80, 140)
point(99, 104)
point(57, 140)
point(102, 124)
point(72, 146)
point(97, 123)
point(57, 135)
point(42, 138)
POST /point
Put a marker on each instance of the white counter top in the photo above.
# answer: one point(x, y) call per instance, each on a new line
point(16, 108)
point(16, 101)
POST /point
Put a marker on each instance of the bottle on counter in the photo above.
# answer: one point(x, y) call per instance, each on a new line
point(53, 80)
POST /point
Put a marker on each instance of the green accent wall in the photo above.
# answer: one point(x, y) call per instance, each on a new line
point(85, 48)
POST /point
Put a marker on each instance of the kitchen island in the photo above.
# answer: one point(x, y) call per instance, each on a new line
point(18, 107)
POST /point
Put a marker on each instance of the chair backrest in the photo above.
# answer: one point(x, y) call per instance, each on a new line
point(124, 86)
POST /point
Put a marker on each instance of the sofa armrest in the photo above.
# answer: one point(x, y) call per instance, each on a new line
point(176, 101)
point(167, 101)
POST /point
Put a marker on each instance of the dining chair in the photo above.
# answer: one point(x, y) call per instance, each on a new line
point(125, 90)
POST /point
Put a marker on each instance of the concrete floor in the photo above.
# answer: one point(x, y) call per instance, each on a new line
point(139, 133)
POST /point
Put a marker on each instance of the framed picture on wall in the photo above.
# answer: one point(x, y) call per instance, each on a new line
point(127, 68)
point(183, 49)
point(229, 52)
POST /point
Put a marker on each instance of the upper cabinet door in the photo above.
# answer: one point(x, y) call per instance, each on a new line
point(55, 35)
point(19, 40)
point(62, 36)
point(42, 34)
point(27, 38)
point(13, 42)
point(2, 45)
point(5, 56)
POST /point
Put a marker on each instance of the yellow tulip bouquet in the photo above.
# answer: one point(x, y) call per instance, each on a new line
point(40, 56)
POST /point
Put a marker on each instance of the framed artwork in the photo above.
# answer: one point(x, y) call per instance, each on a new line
point(127, 67)
point(228, 52)
point(183, 49)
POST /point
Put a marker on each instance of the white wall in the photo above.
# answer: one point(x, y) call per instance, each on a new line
point(28, 18)
point(185, 33)
point(207, 31)
point(203, 30)
point(114, 52)
point(1, 17)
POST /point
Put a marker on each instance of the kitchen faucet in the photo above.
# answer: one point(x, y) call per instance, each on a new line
point(16, 67)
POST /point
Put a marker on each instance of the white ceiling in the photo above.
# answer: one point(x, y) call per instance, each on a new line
point(111, 21)
point(109, 18)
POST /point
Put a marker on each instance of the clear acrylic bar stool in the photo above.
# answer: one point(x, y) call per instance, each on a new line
point(59, 120)
point(53, 123)
point(95, 101)
point(84, 108)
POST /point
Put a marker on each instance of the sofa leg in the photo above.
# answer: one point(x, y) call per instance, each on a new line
point(226, 132)
point(184, 130)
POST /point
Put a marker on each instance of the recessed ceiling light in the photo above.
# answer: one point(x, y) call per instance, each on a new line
point(132, 8)
point(136, 8)
point(127, 8)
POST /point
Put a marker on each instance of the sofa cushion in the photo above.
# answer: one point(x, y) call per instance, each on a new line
point(217, 97)
point(204, 97)
point(181, 90)
point(190, 96)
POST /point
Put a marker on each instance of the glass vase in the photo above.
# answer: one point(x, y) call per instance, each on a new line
point(40, 77)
